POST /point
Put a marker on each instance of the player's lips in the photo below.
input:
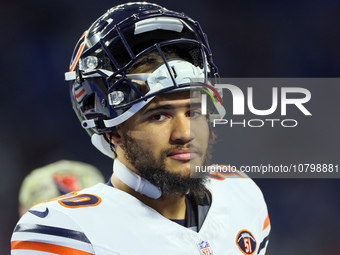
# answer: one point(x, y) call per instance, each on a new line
point(182, 154)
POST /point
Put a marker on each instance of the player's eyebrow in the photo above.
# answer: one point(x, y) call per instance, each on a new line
point(170, 107)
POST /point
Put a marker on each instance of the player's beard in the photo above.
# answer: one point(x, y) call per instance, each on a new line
point(154, 170)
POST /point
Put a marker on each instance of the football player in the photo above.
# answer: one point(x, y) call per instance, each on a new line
point(138, 77)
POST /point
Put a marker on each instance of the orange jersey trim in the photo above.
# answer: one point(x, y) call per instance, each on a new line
point(46, 247)
point(266, 222)
point(226, 171)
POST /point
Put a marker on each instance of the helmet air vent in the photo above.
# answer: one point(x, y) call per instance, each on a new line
point(162, 23)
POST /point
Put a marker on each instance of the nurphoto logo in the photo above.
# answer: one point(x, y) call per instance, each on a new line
point(295, 96)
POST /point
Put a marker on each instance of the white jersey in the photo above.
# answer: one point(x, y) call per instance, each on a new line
point(103, 220)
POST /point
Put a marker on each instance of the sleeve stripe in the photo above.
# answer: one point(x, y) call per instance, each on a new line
point(266, 222)
point(46, 247)
point(48, 230)
point(263, 244)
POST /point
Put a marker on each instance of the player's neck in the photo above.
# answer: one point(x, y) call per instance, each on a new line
point(170, 206)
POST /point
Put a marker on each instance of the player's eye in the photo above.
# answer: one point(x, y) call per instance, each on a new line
point(194, 113)
point(158, 117)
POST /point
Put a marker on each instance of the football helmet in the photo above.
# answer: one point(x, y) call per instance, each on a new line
point(106, 88)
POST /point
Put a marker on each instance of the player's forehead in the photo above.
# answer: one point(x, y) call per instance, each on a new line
point(185, 99)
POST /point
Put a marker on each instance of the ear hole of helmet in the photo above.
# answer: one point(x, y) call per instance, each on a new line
point(89, 102)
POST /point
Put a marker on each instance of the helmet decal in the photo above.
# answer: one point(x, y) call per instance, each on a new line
point(79, 48)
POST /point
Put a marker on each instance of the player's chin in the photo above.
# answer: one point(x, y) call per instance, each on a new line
point(185, 168)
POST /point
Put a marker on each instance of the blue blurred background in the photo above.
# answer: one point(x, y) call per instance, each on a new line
point(248, 38)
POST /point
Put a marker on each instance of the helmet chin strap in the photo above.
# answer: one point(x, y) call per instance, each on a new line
point(134, 181)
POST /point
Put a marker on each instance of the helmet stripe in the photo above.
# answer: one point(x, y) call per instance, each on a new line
point(77, 56)
point(78, 53)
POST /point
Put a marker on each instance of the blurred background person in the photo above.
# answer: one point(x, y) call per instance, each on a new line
point(56, 179)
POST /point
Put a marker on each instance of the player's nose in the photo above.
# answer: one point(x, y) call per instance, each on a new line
point(180, 130)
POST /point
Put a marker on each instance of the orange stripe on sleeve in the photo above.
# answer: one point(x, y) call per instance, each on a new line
point(46, 247)
point(266, 222)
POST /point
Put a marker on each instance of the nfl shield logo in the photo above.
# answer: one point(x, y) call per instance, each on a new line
point(205, 248)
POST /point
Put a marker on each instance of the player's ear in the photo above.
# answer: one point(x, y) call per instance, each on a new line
point(115, 136)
